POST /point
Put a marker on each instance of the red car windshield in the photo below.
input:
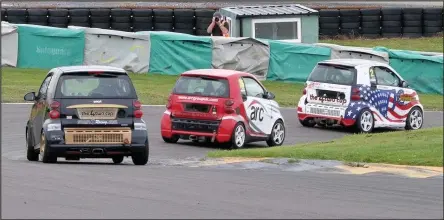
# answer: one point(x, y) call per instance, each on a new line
point(202, 86)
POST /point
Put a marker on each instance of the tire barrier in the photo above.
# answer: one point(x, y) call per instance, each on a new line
point(79, 17)
point(433, 20)
point(173, 53)
point(100, 18)
point(203, 19)
point(329, 23)
point(38, 16)
point(58, 18)
point(371, 23)
point(368, 23)
point(350, 22)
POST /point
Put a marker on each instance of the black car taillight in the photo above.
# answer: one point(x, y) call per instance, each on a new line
point(54, 113)
point(138, 113)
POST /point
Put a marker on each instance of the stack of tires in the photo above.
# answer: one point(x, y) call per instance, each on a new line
point(17, 16)
point(121, 19)
point(38, 16)
point(58, 18)
point(371, 23)
point(329, 23)
point(163, 19)
point(203, 20)
point(79, 17)
point(142, 20)
point(350, 22)
point(184, 21)
point(4, 15)
point(433, 19)
point(391, 22)
point(412, 22)
point(100, 18)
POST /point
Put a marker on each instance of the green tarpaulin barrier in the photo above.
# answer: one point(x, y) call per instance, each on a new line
point(294, 61)
point(49, 47)
point(174, 53)
point(423, 73)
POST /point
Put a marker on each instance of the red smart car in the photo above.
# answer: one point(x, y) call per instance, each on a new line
point(223, 106)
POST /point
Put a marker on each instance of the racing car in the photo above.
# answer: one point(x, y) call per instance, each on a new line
point(227, 107)
point(86, 112)
point(361, 94)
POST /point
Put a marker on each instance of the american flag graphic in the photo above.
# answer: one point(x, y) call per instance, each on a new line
point(386, 105)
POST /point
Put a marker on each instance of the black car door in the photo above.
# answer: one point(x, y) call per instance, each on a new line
point(40, 109)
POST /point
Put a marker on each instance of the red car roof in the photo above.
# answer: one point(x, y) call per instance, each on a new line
point(214, 72)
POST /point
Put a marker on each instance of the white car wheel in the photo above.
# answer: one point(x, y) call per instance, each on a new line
point(277, 136)
point(414, 119)
point(366, 121)
point(238, 137)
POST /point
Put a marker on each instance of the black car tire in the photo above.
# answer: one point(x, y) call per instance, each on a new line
point(141, 158)
point(173, 139)
point(117, 159)
point(46, 153)
point(31, 153)
point(271, 142)
point(308, 122)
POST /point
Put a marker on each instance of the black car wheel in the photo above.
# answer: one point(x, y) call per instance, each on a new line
point(141, 157)
point(308, 122)
point(117, 159)
point(45, 152)
point(172, 139)
point(31, 153)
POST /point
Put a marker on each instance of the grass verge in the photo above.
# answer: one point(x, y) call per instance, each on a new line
point(429, 44)
point(154, 89)
point(421, 148)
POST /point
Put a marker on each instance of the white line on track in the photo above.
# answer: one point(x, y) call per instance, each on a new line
point(25, 103)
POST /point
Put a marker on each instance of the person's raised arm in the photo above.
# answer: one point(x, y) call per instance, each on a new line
point(211, 26)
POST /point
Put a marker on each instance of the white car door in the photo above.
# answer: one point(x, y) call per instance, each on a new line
point(258, 109)
point(396, 101)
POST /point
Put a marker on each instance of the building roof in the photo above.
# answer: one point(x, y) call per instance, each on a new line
point(267, 10)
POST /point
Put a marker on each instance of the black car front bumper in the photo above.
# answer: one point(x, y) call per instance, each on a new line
point(96, 151)
point(55, 145)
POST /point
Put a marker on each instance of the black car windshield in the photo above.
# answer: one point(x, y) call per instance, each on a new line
point(202, 86)
point(103, 85)
point(333, 74)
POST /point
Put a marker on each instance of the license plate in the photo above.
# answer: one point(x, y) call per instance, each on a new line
point(97, 113)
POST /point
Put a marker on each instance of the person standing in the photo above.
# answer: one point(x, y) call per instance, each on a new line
point(218, 26)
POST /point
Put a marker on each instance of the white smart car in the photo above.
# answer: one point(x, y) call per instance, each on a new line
point(361, 93)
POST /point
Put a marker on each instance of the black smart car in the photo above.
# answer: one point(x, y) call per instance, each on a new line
point(86, 112)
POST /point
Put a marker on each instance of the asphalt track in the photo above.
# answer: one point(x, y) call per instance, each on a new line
point(98, 189)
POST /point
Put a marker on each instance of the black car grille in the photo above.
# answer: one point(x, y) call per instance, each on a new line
point(195, 125)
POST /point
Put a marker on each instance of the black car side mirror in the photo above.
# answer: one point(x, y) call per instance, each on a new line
point(29, 96)
point(404, 84)
point(269, 95)
point(244, 97)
